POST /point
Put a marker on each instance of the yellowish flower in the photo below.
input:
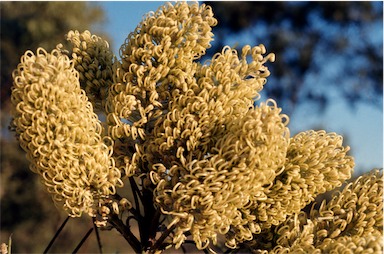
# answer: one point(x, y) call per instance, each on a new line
point(191, 140)
point(351, 222)
point(206, 196)
point(315, 162)
point(56, 126)
point(94, 61)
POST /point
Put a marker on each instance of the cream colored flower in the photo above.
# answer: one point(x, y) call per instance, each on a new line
point(94, 61)
point(352, 222)
point(206, 196)
point(61, 134)
point(178, 121)
point(156, 59)
point(316, 162)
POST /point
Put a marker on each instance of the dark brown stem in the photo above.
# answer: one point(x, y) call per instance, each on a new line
point(126, 233)
point(83, 240)
point(161, 239)
point(154, 224)
point(97, 236)
point(140, 219)
point(135, 192)
point(56, 235)
point(135, 188)
point(151, 219)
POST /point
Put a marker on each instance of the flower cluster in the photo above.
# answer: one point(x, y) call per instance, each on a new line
point(204, 194)
point(316, 162)
point(206, 156)
point(157, 63)
point(94, 61)
point(56, 126)
point(351, 222)
point(208, 150)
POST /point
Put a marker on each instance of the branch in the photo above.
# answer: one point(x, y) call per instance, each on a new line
point(151, 219)
point(140, 220)
point(97, 236)
point(56, 235)
point(126, 232)
point(135, 192)
point(154, 224)
point(83, 240)
point(163, 237)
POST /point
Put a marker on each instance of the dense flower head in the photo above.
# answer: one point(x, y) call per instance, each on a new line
point(321, 159)
point(94, 61)
point(357, 210)
point(158, 79)
point(56, 126)
point(315, 162)
point(184, 120)
point(205, 194)
point(156, 61)
point(351, 222)
point(156, 58)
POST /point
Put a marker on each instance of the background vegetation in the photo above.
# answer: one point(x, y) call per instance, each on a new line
point(306, 37)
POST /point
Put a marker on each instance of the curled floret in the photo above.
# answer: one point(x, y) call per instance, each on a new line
point(94, 61)
point(206, 196)
point(56, 126)
point(351, 222)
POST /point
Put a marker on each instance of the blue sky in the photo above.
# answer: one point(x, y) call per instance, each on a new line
point(123, 17)
point(363, 126)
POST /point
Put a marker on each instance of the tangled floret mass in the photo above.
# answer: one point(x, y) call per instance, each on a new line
point(56, 126)
point(351, 222)
point(217, 162)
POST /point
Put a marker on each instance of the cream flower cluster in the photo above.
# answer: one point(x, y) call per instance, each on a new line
point(204, 195)
point(56, 126)
point(94, 61)
point(351, 222)
point(316, 162)
point(193, 129)
point(191, 134)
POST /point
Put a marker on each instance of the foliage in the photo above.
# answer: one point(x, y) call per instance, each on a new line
point(184, 152)
point(335, 45)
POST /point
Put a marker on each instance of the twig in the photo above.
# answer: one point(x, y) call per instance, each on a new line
point(135, 189)
point(83, 240)
point(135, 192)
point(127, 221)
point(151, 219)
point(162, 237)
point(126, 233)
point(97, 236)
point(154, 223)
point(56, 235)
